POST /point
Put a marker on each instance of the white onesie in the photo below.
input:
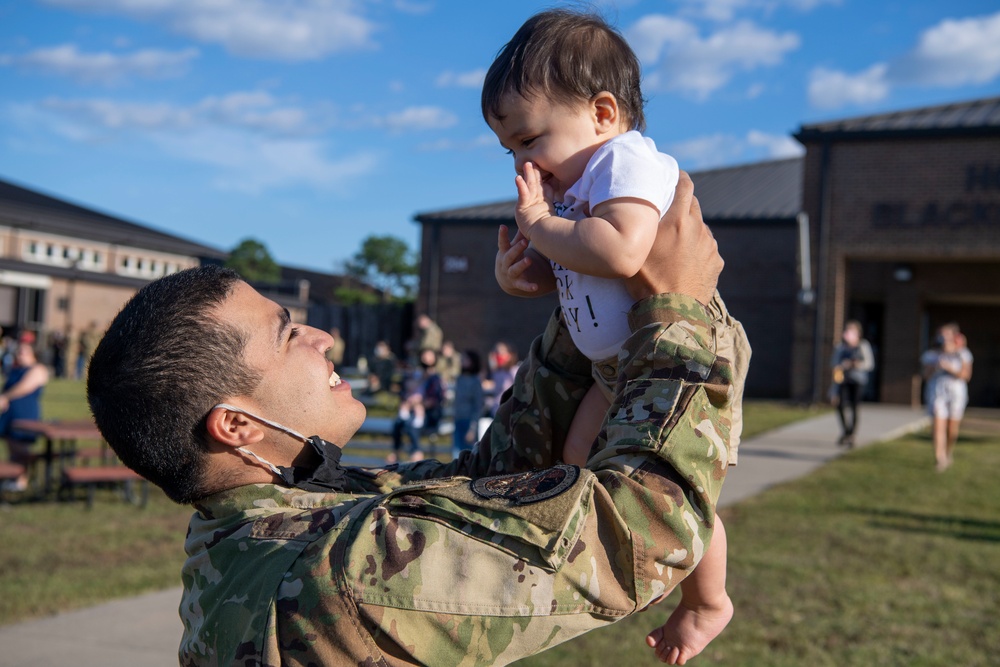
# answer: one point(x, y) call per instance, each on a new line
point(595, 309)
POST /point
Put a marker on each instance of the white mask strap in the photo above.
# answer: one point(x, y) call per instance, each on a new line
point(274, 425)
point(270, 466)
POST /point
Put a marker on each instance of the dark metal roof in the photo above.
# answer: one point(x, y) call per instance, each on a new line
point(961, 118)
point(28, 209)
point(760, 191)
point(501, 212)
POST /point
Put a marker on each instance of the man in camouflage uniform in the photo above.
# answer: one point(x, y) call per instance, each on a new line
point(493, 557)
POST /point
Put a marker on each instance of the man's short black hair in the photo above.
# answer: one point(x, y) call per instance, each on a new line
point(162, 365)
point(567, 56)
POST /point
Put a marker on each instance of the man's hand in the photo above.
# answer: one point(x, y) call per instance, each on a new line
point(534, 201)
point(685, 257)
point(512, 264)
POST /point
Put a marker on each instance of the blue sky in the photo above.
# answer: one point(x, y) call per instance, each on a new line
point(311, 124)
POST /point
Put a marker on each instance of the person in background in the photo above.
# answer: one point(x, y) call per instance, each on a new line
point(503, 367)
point(420, 407)
point(947, 369)
point(89, 338)
point(468, 404)
point(852, 362)
point(449, 365)
point(21, 399)
point(381, 368)
point(428, 335)
point(57, 343)
point(336, 351)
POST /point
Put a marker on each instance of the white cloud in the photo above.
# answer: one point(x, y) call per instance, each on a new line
point(289, 30)
point(678, 58)
point(775, 146)
point(112, 115)
point(103, 67)
point(831, 89)
point(725, 10)
point(719, 149)
point(473, 79)
point(411, 7)
point(214, 133)
point(252, 164)
point(955, 52)
point(706, 151)
point(255, 111)
point(447, 144)
point(651, 34)
point(418, 118)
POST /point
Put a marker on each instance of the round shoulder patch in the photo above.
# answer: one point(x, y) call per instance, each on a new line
point(527, 487)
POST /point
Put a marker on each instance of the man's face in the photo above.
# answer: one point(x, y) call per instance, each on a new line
point(559, 139)
point(298, 387)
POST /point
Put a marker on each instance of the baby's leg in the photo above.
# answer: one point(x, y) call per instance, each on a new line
point(586, 425)
point(705, 608)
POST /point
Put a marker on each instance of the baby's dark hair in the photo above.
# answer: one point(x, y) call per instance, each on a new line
point(567, 56)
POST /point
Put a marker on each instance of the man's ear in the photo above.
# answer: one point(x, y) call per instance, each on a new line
point(232, 428)
point(604, 106)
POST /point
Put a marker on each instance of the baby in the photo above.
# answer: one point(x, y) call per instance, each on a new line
point(563, 97)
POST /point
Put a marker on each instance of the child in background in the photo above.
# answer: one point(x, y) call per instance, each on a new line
point(563, 97)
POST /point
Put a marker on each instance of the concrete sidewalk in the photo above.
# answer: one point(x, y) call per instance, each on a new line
point(146, 630)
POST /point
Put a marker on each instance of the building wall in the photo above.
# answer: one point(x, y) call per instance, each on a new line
point(73, 305)
point(928, 205)
point(458, 289)
point(66, 274)
point(759, 285)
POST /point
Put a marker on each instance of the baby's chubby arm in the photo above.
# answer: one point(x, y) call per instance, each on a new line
point(520, 269)
point(612, 243)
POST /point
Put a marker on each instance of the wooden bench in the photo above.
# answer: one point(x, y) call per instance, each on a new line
point(383, 426)
point(90, 477)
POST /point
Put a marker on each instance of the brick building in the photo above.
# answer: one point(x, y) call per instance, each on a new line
point(905, 236)
point(65, 266)
point(891, 219)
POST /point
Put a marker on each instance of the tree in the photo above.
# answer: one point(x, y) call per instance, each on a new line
point(253, 262)
point(387, 263)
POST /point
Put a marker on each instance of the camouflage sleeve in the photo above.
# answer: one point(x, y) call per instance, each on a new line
point(489, 570)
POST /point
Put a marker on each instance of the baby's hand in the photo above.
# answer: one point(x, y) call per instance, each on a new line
point(511, 263)
point(688, 631)
point(534, 201)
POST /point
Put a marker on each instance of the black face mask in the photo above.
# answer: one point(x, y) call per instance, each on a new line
point(327, 477)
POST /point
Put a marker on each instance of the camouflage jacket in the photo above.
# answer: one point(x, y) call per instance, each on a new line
point(497, 555)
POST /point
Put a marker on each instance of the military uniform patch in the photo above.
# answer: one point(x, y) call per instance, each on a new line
point(527, 487)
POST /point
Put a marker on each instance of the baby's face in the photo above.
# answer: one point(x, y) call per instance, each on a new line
point(559, 139)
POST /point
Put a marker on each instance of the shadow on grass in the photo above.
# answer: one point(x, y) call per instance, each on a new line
point(948, 526)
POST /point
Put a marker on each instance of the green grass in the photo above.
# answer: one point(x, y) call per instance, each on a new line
point(761, 416)
point(875, 559)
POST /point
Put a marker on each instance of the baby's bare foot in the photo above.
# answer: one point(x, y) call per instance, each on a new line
point(689, 630)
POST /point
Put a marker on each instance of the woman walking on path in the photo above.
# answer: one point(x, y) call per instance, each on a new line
point(947, 369)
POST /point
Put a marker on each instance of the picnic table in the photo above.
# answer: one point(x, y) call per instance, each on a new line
point(61, 439)
point(61, 442)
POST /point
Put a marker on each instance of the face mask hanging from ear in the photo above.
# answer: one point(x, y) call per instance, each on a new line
point(327, 477)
